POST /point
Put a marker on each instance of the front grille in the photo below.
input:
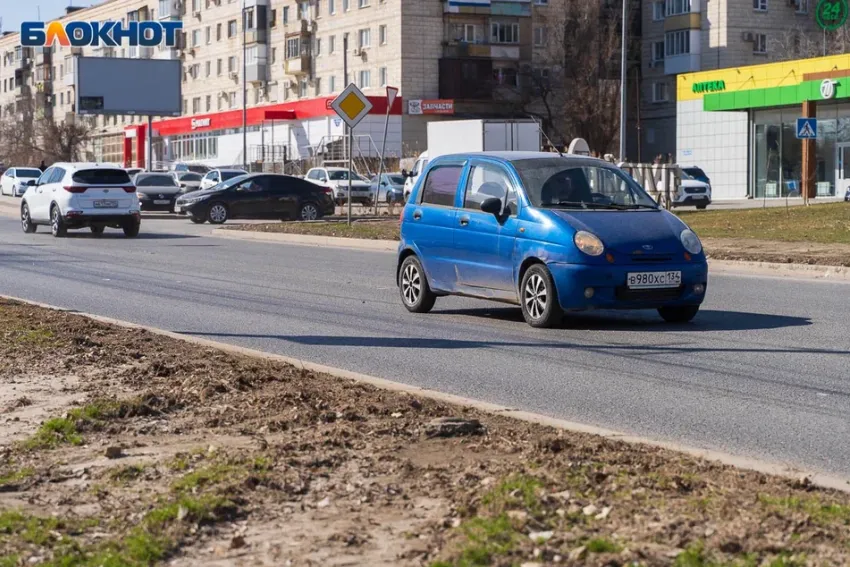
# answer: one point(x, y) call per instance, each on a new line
point(650, 258)
point(692, 190)
point(663, 294)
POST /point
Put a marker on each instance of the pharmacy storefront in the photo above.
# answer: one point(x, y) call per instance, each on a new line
point(740, 125)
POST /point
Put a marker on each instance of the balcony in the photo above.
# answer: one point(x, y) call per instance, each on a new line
point(256, 36)
point(256, 73)
point(170, 9)
point(298, 66)
point(461, 50)
point(70, 78)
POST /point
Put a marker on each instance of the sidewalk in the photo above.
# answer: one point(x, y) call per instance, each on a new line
point(760, 203)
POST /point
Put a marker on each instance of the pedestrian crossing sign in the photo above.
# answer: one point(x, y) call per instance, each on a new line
point(807, 128)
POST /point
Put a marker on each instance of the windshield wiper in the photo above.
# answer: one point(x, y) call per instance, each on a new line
point(584, 205)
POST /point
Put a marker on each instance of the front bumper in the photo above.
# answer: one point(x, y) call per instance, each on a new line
point(695, 199)
point(610, 290)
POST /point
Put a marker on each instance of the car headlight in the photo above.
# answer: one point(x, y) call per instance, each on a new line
point(140, 195)
point(690, 241)
point(589, 243)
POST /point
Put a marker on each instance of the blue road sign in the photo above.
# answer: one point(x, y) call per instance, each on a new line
point(807, 128)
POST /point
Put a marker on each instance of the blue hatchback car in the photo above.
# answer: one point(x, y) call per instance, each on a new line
point(549, 233)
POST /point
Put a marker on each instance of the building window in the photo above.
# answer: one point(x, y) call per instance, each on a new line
point(677, 43)
point(331, 7)
point(196, 38)
point(273, 55)
point(302, 88)
point(231, 64)
point(332, 44)
point(218, 67)
point(382, 75)
point(208, 68)
point(364, 3)
point(364, 37)
point(196, 105)
point(232, 101)
point(331, 84)
point(760, 5)
point(209, 103)
point(365, 79)
point(318, 89)
point(541, 2)
point(658, 11)
point(218, 32)
point(318, 46)
point(657, 51)
point(231, 28)
point(505, 76)
point(801, 6)
point(196, 6)
point(285, 15)
point(304, 10)
point(382, 34)
point(539, 36)
point(273, 18)
point(346, 4)
point(760, 43)
point(208, 35)
point(659, 92)
point(293, 48)
point(675, 7)
point(504, 33)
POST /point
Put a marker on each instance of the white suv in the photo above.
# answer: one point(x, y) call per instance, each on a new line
point(79, 195)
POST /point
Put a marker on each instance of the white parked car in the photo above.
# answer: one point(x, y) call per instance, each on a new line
point(215, 176)
point(14, 180)
point(79, 195)
point(337, 179)
point(692, 192)
point(413, 175)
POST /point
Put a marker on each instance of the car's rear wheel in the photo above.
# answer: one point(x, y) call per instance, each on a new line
point(27, 225)
point(217, 213)
point(416, 294)
point(97, 230)
point(131, 227)
point(57, 223)
point(681, 314)
point(308, 212)
point(539, 298)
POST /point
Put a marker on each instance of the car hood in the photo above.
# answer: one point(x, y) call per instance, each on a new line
point(627, 231)
point(167, 190)
point(343, 184)
point(694, 183)
point(205, 193)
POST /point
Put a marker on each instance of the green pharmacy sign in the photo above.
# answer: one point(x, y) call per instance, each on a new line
point(831, 14)
point(709, 87)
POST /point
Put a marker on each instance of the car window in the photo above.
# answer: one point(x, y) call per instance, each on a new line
point(225, 175)
point(59, 174)
point(396, 179)
point(441, 184)
point(485, 182)
point(256, 184)
point(155, 181)
point(419, 166)
point(9, 173)
point(190, 177)
point(48, 173)
point(27, 172)
point(101, 177)
point(314, 174)
point(342, 175)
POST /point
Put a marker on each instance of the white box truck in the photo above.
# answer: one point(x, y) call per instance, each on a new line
point(482, 135)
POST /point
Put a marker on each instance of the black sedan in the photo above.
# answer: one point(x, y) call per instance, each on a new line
point(156, 191)
point(257, 196)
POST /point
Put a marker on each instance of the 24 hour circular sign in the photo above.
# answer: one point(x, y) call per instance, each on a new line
point(831, 14)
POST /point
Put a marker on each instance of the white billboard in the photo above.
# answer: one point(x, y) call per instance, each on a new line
point(111, 85)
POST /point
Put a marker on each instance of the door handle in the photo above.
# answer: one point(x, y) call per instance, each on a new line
point(417, 215)
point(464, 221)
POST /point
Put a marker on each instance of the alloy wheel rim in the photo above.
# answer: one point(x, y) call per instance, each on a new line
point(411, 284)
point(25, 217)
point(309, 213)
point(218, 213)
point(54, 224)
point(535, 296)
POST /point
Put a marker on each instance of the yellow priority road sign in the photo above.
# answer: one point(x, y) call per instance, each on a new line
point(351, 105)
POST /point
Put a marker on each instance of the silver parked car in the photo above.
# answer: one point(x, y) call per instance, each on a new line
point(187, 180)
point(390, 189)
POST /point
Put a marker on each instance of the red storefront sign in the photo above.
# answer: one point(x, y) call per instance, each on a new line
point(437, 106)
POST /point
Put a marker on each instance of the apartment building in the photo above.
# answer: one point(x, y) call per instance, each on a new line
point(448, 58)
point(688, 36)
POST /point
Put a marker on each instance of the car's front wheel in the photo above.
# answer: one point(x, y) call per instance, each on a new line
point(413, 286)
point(539, 298)
point(27, 225)
point(217, 213)
point(57, 223)
point(682, 314)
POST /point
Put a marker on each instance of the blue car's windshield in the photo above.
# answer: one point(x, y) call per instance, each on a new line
point(559, 183)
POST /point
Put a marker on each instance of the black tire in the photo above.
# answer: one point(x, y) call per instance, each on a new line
point(27, 225)
point(308, 212)
point(217, 213)
point(678, 314)
point(197, 220)
point(97, 230)
point(57, 223)
point(416, 294)
point(701, 207)
point(131, 227)
point(539, 298)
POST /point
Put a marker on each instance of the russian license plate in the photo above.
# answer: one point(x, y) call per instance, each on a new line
point(106, 204)
point(161, 201)
point(643, 280)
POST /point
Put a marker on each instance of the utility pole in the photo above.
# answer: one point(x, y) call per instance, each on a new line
point(623, 79)
point(349, 129)
point(244, 89)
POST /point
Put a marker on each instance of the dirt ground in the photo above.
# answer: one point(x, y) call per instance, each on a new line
point(125, 448)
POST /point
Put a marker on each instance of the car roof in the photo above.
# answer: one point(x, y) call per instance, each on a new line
point(84, 165)
point(510, 157)
point(222, 169)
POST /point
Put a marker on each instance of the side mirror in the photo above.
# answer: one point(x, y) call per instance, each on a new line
point(492, 206)
point(32, 183)
point(383, 183)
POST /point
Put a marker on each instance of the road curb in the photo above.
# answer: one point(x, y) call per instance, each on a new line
point(308, 239)
point(806, 271)
point(766, 467)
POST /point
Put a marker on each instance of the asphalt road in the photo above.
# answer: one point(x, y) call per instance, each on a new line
point(764, 371)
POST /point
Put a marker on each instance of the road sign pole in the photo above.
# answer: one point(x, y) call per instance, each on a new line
point(391, 94)
point(351, 105)
point(350, 168)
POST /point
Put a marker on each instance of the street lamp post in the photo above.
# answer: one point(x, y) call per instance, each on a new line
point(623, 79)
point(244, 89)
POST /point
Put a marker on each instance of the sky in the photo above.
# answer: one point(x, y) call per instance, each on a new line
point(14, 12)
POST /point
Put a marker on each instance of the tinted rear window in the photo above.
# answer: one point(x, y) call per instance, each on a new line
point(190, 177)
point(28, 173)
point(102, 177)
point(225, 175)
point(441, 185)
point(155, 181)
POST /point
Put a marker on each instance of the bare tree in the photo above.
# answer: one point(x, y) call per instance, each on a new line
point(797, 42)
point(25, 139)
